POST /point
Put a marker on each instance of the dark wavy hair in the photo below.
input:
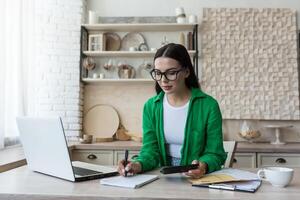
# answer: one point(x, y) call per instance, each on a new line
point(179, 53)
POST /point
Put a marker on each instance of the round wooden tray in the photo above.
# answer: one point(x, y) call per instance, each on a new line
point(101, 121)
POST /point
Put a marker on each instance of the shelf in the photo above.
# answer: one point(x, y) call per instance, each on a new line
point(136, 80)
point(125, 53)
point(140, 27)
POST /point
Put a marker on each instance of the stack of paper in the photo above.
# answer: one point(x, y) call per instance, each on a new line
point(229, 179)
point(129, 182)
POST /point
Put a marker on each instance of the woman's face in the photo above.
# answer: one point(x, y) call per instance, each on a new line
point(170, 75)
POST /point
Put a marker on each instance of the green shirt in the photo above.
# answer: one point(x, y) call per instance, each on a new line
point(202, 136)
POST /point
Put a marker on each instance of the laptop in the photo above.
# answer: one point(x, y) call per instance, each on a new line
point(46, 151)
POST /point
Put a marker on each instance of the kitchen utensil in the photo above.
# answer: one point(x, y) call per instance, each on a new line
point(132, 40)
point(278, 139)
point(86, 139)
point(248, 133)
point(101, 121)
point(113, 41)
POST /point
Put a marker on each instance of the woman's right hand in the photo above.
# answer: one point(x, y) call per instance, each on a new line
point(131, 168)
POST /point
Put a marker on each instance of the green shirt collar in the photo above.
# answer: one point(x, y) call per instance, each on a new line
point(196, 93)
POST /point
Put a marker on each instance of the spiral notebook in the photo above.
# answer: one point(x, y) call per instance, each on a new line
point(129, 182)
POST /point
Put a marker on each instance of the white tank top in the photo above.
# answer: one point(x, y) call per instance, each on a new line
point(174, 125)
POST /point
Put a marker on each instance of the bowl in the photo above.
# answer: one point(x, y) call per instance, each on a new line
point(250, 135)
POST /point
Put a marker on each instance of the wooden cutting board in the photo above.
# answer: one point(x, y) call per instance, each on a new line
point(101, 121)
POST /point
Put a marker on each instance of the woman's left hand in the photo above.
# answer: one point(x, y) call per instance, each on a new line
point(199, 172)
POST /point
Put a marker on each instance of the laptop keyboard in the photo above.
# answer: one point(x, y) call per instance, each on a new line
point(84, 172)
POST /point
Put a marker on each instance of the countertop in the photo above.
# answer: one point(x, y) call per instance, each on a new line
point(11, 157)
point(21, 183)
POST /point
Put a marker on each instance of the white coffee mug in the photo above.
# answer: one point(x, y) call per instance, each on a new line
point(277, 176)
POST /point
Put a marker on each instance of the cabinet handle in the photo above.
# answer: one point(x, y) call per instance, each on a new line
point(280, 160)
point(234, 160)
point(92, 157)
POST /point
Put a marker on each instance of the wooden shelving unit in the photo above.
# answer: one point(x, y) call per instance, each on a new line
point(140, 27)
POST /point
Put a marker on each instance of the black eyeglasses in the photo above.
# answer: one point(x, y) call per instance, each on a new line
point(170, 74)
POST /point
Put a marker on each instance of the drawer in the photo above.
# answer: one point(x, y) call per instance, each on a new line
point(244, 160)
point(100, 157)
point(284, 160)
point(120, 155)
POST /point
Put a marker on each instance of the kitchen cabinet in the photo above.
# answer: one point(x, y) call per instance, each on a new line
point(254, 160)
point(101, 157)
point(244, 160)
point(119, 155)
point(133, 56)
point(281, 159)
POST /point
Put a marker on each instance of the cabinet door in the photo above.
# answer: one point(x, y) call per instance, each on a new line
point(244, 160)
point(119, 155)
point(100, 157)
point(282, 159)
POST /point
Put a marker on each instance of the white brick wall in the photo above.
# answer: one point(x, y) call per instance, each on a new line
point(59, 91)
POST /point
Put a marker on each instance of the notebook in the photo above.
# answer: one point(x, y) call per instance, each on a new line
point(243, 186)
point(229, 179)
point(225, 175)
point(129, 182)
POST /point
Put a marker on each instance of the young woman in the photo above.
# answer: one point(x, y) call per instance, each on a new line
point(181, 124)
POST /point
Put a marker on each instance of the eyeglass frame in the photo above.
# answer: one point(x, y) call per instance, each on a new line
point(164, 73)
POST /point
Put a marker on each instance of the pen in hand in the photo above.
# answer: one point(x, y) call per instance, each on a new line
point(126, 161)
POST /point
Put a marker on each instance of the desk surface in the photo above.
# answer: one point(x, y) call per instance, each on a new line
point(21, 183)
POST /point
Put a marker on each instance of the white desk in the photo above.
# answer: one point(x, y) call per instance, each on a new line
point(21, 183)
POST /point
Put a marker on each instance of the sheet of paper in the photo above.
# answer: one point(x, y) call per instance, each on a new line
point(248, 185)
point(129, 182)
point(225, 175)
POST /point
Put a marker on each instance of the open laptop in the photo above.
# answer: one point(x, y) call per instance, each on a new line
point(46, 151)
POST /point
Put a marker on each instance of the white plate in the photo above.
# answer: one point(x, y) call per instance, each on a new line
point(132, 40)
point(101, 121)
